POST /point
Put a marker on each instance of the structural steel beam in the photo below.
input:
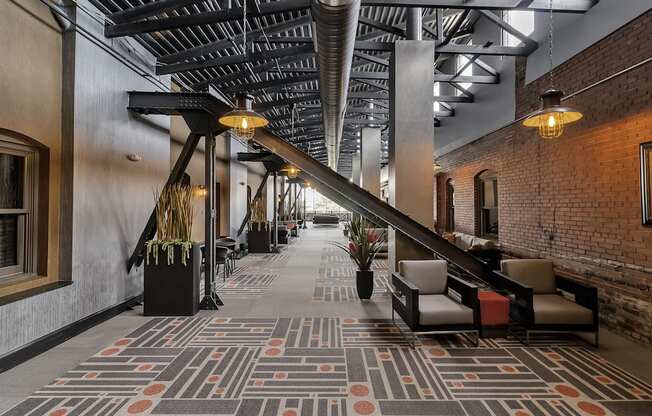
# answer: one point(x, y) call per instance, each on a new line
point(205, 18)
point(149, 9)
point(362, 201)
point(199, 51)
point(259, 191)
point(561, 6)
point(267, 55)
point(176, 174)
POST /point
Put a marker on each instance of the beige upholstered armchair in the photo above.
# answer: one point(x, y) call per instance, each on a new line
point(423, 300)
point(538, 304)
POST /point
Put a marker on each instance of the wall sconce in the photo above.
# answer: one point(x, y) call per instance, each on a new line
point(201, 191)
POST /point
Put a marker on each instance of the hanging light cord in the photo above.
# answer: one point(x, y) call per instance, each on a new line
point(550, 45)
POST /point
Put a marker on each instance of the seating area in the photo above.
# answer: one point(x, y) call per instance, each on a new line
point(325, 208)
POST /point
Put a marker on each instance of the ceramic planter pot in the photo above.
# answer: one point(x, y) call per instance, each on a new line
point(364, 283)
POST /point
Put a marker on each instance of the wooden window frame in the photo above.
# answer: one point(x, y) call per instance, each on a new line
point(27, 244)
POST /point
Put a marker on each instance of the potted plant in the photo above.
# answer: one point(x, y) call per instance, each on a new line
point(258, 232)
point(173, 260)
point(364, 243)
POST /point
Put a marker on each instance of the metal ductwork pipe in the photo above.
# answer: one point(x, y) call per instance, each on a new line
point(335, 25)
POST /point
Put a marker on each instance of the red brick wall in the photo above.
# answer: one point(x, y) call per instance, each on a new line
point(576, 199)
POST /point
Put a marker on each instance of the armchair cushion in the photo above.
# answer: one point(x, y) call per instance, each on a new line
point(442, 310)
point(556, 309)
point(429, 276)
point(535, 273)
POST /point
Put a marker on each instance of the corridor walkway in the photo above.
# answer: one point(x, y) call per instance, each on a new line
point(293, 340)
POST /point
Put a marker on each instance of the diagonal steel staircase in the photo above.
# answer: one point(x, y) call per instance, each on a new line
point(327, 181)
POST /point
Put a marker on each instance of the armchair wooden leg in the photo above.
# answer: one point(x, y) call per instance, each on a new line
point(596, 339)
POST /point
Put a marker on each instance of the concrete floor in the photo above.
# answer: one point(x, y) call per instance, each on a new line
point(290, 295)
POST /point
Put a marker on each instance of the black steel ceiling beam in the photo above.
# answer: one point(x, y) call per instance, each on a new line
point(286, 101)
point(148, 10)
point(266, 55)
point(560, 6)
point(371, 58)
point(527, 41)
point(381, 26)
point(199, 51)
point(199, 19)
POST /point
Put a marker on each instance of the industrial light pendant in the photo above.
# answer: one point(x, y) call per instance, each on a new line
point(290, 170)
point(243, 120)
point(552, 117)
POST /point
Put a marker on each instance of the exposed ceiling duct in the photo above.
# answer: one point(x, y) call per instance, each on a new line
point(335, 25)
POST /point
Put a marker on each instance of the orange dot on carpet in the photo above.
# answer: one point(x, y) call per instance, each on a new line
point(272, 351)
point(567, 391)
point(591, 409)
point(213, 378)
point(522, 413)
point(325, 367)
point(407, 379)
point(110, 351)
point(58, 412)
point(139, 407)
point(290, 413)
point(216, 355)
point(154, 389)
point(122, 342)
point(437, 352)
point(364, 407)
point(275, 342)
point(145, 367)
point(359, 390)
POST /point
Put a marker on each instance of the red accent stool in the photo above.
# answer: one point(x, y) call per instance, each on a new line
point(494, 314)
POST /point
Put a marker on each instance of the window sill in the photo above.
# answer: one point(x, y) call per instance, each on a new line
point(46, 286)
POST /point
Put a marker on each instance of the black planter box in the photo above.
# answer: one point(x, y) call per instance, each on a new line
point(172, 290)
point(258, 240)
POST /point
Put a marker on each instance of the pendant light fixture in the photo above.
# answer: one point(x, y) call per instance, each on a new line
point(290, 170)
point(552, 118)
point(243, 120)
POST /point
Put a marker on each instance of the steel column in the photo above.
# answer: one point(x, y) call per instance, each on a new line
point(414, 23)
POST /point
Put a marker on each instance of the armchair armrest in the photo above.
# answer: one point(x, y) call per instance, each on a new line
point(468, 292)
point(523, 294)
point(410, 310)
point(585, 295)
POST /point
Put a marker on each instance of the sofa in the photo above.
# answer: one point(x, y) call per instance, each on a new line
point(484, 249)
point(325, 220)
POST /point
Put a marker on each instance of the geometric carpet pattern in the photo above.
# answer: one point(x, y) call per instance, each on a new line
point(336, 280)
point(333, 367)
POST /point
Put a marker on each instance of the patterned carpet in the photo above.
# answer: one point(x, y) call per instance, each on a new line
point(336, 281)
point(333, 367)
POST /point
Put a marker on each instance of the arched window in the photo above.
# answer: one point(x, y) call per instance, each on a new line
point(487, 204)
point(450, 205)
